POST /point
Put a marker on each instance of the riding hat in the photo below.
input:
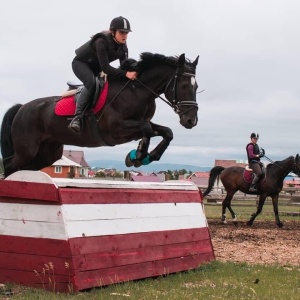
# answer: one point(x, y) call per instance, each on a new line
point(120, 23)
point(254, 135)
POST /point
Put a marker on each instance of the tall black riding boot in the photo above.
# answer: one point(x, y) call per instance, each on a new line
point(82, 102)
point(253, 187)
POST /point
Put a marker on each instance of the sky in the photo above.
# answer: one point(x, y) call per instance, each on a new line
point(249, 67)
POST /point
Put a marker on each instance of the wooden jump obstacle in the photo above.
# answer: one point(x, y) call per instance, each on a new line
point(74, 234)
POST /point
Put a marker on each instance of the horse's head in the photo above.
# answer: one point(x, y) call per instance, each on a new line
point(296, 168)
point(181, 92)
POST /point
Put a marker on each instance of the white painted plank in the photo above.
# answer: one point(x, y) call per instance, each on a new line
point(41, 177)
point(30, 176)
point(126, 226)
point(33, 229)
point(79, 212)
point(92, 183)
point(31, 212)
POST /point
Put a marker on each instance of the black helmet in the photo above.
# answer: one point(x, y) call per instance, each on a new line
point(120, 23)
point(254, 135)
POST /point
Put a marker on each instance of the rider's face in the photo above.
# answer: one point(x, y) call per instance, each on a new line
point(121, 36)
point(254, 140)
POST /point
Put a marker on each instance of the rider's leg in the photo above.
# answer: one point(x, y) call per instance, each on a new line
point(257, 174)
point(86, 75)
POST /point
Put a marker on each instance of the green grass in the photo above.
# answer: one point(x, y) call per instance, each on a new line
point(215, 280)
point(244, 209)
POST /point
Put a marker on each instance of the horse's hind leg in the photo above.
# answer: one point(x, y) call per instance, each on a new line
point(261, 203)
point(48, 153)
point(275, 208)
point(23, 154)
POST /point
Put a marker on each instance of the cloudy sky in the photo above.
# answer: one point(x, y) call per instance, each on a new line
point(249, 66)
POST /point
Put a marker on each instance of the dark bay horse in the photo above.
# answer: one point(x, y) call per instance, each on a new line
point(32, 135)
point(233, 181)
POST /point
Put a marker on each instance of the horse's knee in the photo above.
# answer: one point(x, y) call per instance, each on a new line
point(168, 135)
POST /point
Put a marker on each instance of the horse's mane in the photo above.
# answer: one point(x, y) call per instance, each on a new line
point(149, 60)
point(279, 162)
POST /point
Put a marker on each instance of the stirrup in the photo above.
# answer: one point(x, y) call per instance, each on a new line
point(75, 125)
point(253, 188)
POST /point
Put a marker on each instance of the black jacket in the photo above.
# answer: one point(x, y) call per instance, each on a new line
point(100, 51)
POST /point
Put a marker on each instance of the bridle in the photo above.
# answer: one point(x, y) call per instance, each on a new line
point(174, 103)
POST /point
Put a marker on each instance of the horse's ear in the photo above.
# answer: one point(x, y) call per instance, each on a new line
point(181, 60)
point(195, 62)
point(297, 157)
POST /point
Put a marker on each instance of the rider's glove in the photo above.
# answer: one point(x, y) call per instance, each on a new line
point(262, 152)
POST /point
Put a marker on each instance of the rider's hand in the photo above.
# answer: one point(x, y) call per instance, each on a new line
point(131, 75)
point(262, 152)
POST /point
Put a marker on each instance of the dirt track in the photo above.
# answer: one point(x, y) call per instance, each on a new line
point(263, 243)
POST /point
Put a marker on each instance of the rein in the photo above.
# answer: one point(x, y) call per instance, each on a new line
point(175, 104)
point(271, 161)
point(119, 92)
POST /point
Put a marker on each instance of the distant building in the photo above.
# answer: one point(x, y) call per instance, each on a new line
point(199, 178)
point(230, 163)
point(78, 157)
point(63, 168)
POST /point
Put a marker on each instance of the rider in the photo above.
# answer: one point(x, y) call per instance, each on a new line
point(95, 56)
point(254, 154)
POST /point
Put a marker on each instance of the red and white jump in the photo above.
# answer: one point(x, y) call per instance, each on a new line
point(95, 233)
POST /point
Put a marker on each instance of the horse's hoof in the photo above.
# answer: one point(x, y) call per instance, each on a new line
point(137, 163)
point(280, 225)
point(130, 158)
point(128, 161)
point(249, 223)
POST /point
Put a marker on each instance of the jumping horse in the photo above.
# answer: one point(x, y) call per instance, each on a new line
point(32, 135)
point(232, 179)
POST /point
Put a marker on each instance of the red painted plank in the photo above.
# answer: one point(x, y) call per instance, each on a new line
point(28, 190)
point(139, 255)
point(87, 245)
point(27, 245)
point(62, 282)
point(109, 276)
point(113, 196)
point(28, 262)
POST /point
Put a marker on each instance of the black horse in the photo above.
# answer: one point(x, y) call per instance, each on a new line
point(32, 135)
point(233, 180)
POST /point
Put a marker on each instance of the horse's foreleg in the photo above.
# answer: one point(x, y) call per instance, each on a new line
point(261, 203)
point(167, 135)
point(227, 204)
point(139, 156)
point(275, 207)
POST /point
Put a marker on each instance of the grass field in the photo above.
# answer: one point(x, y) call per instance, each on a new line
point(215, 280)
point(244, 209)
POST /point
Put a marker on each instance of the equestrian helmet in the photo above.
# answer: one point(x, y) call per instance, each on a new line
point(120, 23)
point(254, 135)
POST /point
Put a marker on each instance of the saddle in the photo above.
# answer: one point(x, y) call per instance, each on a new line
point(66, 105)
point(248, 174)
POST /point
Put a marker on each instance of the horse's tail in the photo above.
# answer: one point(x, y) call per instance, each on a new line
point(214, 173)
point(7, 148)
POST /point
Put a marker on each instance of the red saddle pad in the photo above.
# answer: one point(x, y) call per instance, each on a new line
point(248, 176)
point(66, 105)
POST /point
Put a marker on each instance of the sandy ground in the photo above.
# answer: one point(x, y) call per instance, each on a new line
point(263, 243)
